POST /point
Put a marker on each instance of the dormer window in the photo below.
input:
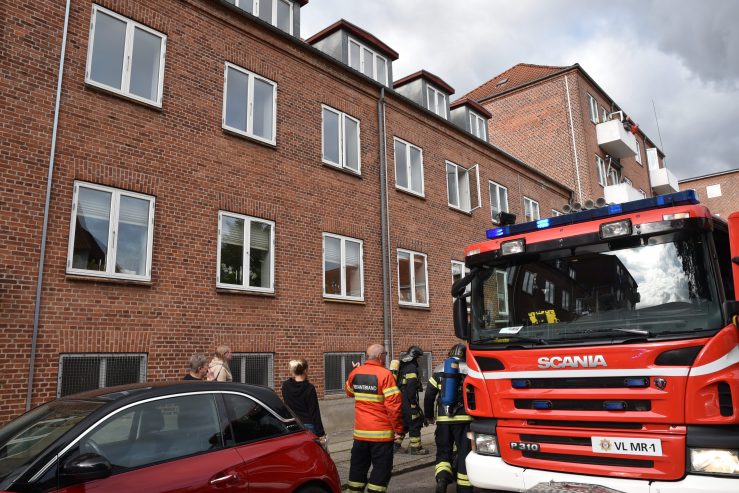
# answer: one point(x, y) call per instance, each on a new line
point(367, 61)
point(436, 101)
point(279, 13)
point(478, 128)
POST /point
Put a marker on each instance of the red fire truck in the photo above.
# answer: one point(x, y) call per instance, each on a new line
point(603, 349)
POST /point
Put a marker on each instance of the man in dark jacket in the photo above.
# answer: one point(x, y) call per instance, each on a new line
point(410, 386)
point(452, 424)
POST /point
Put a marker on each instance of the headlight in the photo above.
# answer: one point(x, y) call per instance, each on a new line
point(714, 461)
point(484, 444)
point(512, 247)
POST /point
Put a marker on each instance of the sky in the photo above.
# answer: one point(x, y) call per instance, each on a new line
point(677, 59)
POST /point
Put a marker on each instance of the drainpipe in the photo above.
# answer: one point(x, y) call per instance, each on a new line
point(574, 146)
point(387, 316)
point(44, 230)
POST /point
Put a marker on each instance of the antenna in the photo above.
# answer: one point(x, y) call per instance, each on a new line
point(654, 108)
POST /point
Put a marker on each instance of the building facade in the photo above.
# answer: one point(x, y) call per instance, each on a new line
point(214, 179)
point(559, 120)
point(717, 191)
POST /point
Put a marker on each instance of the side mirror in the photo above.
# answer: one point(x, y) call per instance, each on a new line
point(461, 326)
point(86, 467)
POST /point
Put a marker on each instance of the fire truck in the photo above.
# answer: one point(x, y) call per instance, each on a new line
point(603, 350)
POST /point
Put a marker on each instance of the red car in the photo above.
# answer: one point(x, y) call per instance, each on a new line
point(169, 437)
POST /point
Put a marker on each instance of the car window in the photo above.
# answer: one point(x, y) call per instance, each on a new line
point(250, 421)
point(156, 431)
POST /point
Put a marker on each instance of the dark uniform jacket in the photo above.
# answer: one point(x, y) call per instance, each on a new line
point(432, 401)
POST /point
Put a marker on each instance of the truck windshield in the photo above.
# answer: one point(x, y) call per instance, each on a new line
point(612, 292)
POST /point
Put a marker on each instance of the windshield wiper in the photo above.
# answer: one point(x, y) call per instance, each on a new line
point(506, 338)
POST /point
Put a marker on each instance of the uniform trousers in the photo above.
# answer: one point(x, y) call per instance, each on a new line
point(379, 455)
point(447, 436)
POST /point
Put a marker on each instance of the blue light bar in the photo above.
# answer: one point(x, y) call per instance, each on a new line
point(636, 382)
point(520, 383)
point(614, 405)
point(541, 405)
point(686, 197)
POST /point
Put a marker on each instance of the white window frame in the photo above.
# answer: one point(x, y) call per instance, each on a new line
point(437, 107)
point(131, 26)
point(477, 122)
point(532, 205)
point(342, 141)
point(459, 205)
point(643, 193)
point(600, 167)
point(103, 357)
point(465, 270)
point(505, 291)
point(495, 194)
point(593, 109)
point(375, 56)
point(246, 261)
point(343, 295)
point(614, 177)
point(273, 20)
point(115, 201)
point(250, 103)
point(603, 114)
point(556, 213)
point(638, 153)
point(408, 146)
point(549, 292)
point(627, 181)
point(411, 263)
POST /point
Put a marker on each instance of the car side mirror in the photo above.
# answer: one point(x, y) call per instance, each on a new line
point(461, 326)
point(86, 467)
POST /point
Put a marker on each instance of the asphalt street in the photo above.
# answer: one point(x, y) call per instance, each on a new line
point(418, 481)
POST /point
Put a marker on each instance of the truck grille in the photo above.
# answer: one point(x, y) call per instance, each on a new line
point(582, 404)
point(586, 424)
point(590, 459)
point(586, 383)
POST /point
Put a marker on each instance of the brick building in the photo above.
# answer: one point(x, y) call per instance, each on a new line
point(561, 121)
point(718, 191)
point(214, 179)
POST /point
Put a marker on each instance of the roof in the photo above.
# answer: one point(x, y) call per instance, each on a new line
point(516, 76)
point(360, 33)
point(472, 104)
point(423, 74)
point(710, 175)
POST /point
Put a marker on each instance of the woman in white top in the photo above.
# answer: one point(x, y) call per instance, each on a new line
point(218, 370)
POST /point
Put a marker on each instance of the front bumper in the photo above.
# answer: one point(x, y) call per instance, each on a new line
point(493, 473)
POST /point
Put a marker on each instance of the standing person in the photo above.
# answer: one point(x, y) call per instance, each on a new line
point(198, 367)
point(444, 400)
point(410, 386)
point(300, 396)
point(377, 422)
point(218, 368)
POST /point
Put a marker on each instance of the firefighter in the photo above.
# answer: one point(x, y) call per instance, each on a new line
point(444, 403)
point(377, 422)
point(410, 386)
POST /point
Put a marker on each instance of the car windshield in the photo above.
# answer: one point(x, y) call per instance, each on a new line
point(629, 290)
point(25, 438)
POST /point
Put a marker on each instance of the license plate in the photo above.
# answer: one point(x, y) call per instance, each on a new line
point(532, 447)
point(626, 446)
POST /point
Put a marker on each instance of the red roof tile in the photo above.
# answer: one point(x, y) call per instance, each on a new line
point(516, 76)
point(434, 79)
point(356, 31)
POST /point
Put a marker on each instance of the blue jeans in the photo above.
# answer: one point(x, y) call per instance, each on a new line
point(310, 427)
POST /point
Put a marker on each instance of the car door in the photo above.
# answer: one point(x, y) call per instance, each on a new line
point(276, 458)
point(171, 444)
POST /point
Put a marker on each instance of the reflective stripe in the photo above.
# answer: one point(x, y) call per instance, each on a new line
point(376, 487)
point(463, 482)
point(434, 383)
point(462, 418)
point(390, 391)
point(355, 485)
point(349, 388)
point(443, 466)
point(462, 476)
point(416, 441)
point(368, 397)
point(410, 375)
point(374, 433)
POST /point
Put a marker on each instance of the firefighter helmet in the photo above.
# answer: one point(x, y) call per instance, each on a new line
point(415, 351)
point(458, 351)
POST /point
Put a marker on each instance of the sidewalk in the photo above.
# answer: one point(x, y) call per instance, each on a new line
point(340, 447)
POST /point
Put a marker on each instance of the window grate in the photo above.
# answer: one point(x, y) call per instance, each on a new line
point(82, 372)
point(253, 368)
point(336, 369)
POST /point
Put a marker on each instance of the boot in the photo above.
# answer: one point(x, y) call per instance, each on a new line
point(441, 483)
point(398, 448)
point(418, 451)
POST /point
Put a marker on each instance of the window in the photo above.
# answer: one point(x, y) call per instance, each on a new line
point(713, 191)
point(600, 166)
point(249, 104)
point(156, 431)
point(627, 181)
point(246, 248)
point(458, 186)
point(111, 233)
point(643, 193)
point(81, 372)
point(279, 13)
point(412, 275)
point(336, 369)
point(638, 152)
point(368, 62)
point(579, 306)
point(556, 213)
point(343, 272)
point(529, 282)
point(613, 176)
point(125, 57)
point(603, 115)
point(593, 109)
point(501, 281)
point(565, 300)
point(572, 273)
point(437, 101)
point(340, 140)
point(458, 272)
point(498, 200)
point(250, 421)
point(478, 126)
point(549, 292)
point(253, 368)
point(530, 209)
point(408, 167)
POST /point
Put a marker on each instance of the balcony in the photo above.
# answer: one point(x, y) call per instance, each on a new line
point(663, 181)
point(623, 192)
point(614, 140)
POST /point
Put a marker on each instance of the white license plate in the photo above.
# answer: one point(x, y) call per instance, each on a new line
point(626, 446)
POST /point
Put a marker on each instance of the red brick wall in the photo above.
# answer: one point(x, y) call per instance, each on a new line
point(181, 155)
point(729, 199)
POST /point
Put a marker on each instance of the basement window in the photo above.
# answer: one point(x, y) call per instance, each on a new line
point(253, 368)
point(90, 371)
